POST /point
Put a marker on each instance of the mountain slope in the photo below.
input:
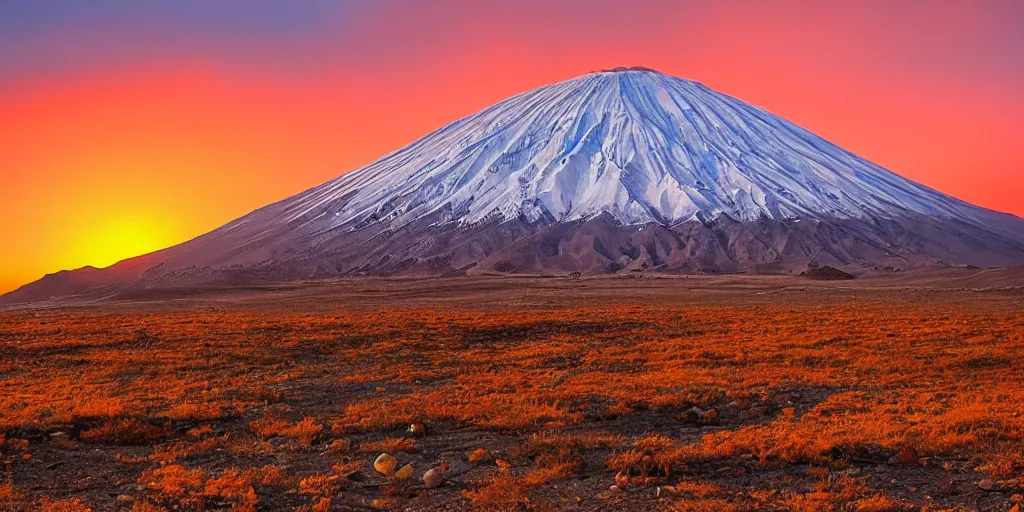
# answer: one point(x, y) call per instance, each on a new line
point(610, 171)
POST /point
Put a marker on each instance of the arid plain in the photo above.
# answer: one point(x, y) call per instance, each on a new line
point(898, 392)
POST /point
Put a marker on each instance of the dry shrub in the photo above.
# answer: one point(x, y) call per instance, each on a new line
point(1007, 464)
point(880, 503)
point(694, 489)
point(553, 467)
point(389, 445)
point(321, 504)
point(846, 493)
point(173, 481)
point(499, 493)
point(145, 506)
point(708, 505)
point(539, 442)
point(195, 411)
point(614, 411)
point(811, 502)
point(239, 485)
point(8, 493)
point(339, 446)
point(185, 450)
point(650, 456)
point(302, 432)
point(174, 484)
point(486, 410)
point(781, 440)
point(347, 469)
point(124, 432)
point(48, 505)
point(319, 485)
point(130, 459)
point(557, 456)
point(200, 432)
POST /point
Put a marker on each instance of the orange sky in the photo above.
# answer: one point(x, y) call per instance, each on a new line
point(108, 153)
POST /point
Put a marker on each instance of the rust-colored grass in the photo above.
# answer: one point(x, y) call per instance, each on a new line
point(857, 405)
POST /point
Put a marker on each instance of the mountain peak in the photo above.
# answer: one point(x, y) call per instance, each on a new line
point(643, 147)
point(622, 169)
point(624, 69)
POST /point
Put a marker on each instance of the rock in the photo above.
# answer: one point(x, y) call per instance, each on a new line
point(759, 410)
point(435, 476)
point(478, 455)
point(697, 415)
point(404, 473)
point(338, 446)
point(711, 417)
point(691, 415)
point(614, 489)
point(907, 456)
point(621, 480)
point(987, 485)
point(416, 430)
point(385, 464)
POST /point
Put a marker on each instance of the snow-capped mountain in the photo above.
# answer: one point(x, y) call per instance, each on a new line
point(639, 145)
point(614, 170)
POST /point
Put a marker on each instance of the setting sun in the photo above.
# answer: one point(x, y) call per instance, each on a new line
point(109, 240)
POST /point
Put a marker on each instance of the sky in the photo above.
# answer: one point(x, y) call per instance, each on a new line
point(127, 126)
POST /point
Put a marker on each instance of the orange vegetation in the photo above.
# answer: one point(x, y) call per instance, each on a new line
point(858, 405)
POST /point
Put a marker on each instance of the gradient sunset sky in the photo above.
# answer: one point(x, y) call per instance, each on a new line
point(130, 125)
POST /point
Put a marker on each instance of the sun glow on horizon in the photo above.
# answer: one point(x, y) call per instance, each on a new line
point(106, 241)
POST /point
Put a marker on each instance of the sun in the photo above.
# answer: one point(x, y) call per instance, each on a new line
point(106, 241)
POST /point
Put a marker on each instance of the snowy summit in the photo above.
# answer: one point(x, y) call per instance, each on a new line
point(632, 142)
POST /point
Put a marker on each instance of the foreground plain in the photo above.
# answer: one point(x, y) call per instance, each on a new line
point(894, 393)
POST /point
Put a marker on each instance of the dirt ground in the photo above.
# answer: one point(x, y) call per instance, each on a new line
point(899, 392)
